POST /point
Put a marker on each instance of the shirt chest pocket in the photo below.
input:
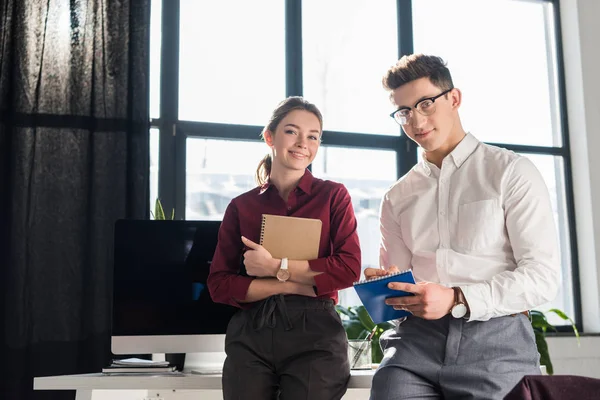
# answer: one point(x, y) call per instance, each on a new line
point(480, 224)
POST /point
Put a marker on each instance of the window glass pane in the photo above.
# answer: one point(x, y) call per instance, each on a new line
point(213, 178)
point(367, 174)
point(153, 167)
point(552, 169)
point(155, 45)
point(232, 62)
point(501, 54)
point(347, 47)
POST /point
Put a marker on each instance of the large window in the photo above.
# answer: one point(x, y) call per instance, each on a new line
point(217, 73)
point(231, 65)
point(346, 47)
point(213, 178)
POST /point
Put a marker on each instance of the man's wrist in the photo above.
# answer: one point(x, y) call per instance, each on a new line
point(462, 299)
point(459, 308)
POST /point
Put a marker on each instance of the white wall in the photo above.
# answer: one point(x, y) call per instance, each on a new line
point(569, 358)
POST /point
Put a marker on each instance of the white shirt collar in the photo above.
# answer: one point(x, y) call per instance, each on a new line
point(459, 155)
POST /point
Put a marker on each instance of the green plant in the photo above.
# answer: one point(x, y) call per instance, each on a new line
point(540, 325)
point(359, 325)
point(159, 212)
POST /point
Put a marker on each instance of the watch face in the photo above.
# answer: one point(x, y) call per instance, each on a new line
point(459, 310)
point(283, 275)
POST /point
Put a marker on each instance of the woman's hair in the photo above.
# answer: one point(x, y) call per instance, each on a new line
point(281, 111)
point(416, 66)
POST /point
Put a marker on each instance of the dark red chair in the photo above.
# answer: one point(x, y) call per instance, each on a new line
point(555, 387)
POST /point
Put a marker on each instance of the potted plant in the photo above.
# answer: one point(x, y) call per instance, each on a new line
point(358, 325)
point(159, 212)
point(540, 327)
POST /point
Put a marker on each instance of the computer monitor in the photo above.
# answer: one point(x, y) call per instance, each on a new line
point(161, 303)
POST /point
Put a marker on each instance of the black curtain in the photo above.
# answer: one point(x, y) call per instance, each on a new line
point(73, 159)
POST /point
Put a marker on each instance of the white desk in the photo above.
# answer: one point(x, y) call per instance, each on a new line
point(186, 386)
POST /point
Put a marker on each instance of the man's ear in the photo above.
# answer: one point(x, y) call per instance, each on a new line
point(268, 137)
point(456, 98)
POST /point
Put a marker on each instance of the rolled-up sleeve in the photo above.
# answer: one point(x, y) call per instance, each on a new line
point(343, 266)
point(225, 283)
point(533, 238)
point(392, 249)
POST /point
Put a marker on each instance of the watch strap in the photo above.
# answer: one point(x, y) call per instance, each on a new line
point(456, 295)
point(459, 299)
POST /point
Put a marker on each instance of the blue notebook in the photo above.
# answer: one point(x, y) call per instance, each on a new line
point(374, 292)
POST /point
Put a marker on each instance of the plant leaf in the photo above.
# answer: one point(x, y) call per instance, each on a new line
point(384, 326)
point(355, 329)
point(542, 346)
point(345, 311)
point(377, 353)
point(364, 317)
point(539, 321)
point(158, 210)
point(559, 313)
point(533, 313)
point(565, 317)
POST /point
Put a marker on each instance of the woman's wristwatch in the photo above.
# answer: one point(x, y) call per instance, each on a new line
point(284, 273)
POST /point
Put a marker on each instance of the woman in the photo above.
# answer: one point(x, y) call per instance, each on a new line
point(287, 340)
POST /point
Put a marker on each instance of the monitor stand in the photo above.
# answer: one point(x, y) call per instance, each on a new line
point(207, 363)
point(176, 359)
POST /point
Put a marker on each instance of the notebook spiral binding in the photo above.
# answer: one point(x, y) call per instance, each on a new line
point(262, 229)
point(382, 277)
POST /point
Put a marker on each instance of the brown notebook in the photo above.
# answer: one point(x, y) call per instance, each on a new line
point(291, 237)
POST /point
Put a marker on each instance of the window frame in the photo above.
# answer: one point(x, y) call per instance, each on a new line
point(173, 133)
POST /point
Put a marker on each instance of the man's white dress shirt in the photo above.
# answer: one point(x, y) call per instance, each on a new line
point(482, 222)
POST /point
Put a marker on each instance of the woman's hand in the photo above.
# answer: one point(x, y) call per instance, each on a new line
point(258, 261)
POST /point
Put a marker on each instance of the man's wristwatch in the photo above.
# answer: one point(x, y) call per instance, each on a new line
point(284, 273)
point(459, 309)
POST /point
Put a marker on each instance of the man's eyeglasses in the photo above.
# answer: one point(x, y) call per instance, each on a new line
point(424, 107)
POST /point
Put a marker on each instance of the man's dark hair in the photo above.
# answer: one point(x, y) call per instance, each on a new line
point(415, 66)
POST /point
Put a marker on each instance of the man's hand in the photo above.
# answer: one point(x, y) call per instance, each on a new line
point(430, 300)
point(258, 261)
point(371, 273)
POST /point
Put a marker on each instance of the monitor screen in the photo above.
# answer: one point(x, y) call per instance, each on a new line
point(161, 303)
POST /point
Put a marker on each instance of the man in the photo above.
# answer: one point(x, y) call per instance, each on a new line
point(475, 224)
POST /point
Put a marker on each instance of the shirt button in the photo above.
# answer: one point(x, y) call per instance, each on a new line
point(442, 181)
point(442, 246)
point(442, 213)
point(289, 208)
